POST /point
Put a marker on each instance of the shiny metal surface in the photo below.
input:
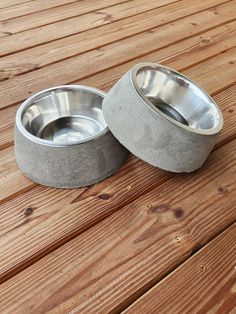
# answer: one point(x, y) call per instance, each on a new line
point(62, 140)
point(177, 98)
point(64, 115)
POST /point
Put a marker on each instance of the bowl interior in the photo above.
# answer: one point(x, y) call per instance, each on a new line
point(65, 114)
point(177, 97)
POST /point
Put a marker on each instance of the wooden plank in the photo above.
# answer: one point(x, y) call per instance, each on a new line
point(111, 264)
point(9, 3)
point(208, 277)
point(12, 213)
point(225, 61)
point(101, 12)
point(12, 180)
point(61, 29)
point(210, 66)
point(185, 53)
point(217, 66)
point(19, 88)
point(198, 72)
point(228, 96)
point(52, 207)
point(26, 8)
point(7, 120)
point(217, 39)
point(55, 216)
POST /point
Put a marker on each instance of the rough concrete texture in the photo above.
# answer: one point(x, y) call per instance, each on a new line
point(150, 136)
point(71, 166)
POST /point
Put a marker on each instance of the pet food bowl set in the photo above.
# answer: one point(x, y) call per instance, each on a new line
point(72, 136)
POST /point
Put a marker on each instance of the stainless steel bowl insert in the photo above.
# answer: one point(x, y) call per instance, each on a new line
point(163, 117)
point(62, 140)
point(177, 99)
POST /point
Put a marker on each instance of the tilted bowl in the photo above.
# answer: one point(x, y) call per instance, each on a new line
point(163, 117)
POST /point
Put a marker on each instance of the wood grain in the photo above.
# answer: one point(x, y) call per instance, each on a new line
point(62, 29)
point(30, 7)
point(47, 215)
point(98, 249)
point(58, 215)
point(179, 55)
point(12, 180)
point(111, 264)
point(102, 12)
point(218, 39)
point(228, 96)
point(208, 277)
point(20, 87)
point(221, 81)
point(17, 225)
point(9, 3)
point(222, 65)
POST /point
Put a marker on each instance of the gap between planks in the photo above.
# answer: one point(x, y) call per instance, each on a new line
point(113, 262)
point(10, 97)
point(20, 177)
point(196, 42)
point(209, 277)
point(49, 214)
point(91, 17)
point(34, 58)
point(197, 71)
point(24, 9)
point(37, 37)
point(11, 3)
point(203, 46)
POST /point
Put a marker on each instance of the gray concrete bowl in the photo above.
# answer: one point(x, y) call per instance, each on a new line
point(163, 117)
point(62, 139)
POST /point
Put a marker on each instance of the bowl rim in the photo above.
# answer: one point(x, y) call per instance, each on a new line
point(133, 74)
point(38, 140)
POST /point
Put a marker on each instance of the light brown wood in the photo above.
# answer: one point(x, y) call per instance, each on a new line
point(114, 262)
point(7, 120)
point(223, 66)
point(12, 180)
point(208, 42)
point(30, 7)
point(228, 96)
point(12, 174)
point(102, 12)
point(98, 249)
point(9, 3)
point(225, 79)
point(186, 52)
point(61, 29)
point(190, 50)
point(46, 213)
point(227, 101)
point(65, 71)
point(58, 215)
point(205, 283)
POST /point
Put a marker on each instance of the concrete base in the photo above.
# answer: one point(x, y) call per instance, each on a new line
point(72, 166)
point(148, 135)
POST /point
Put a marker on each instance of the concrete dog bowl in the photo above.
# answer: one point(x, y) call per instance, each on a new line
point(162, 117)
point(62, 140)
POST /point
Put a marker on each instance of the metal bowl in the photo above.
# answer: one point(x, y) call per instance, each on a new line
point(163, 117)
point(62, 139)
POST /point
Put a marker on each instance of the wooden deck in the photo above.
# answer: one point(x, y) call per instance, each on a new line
point(144, 240)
